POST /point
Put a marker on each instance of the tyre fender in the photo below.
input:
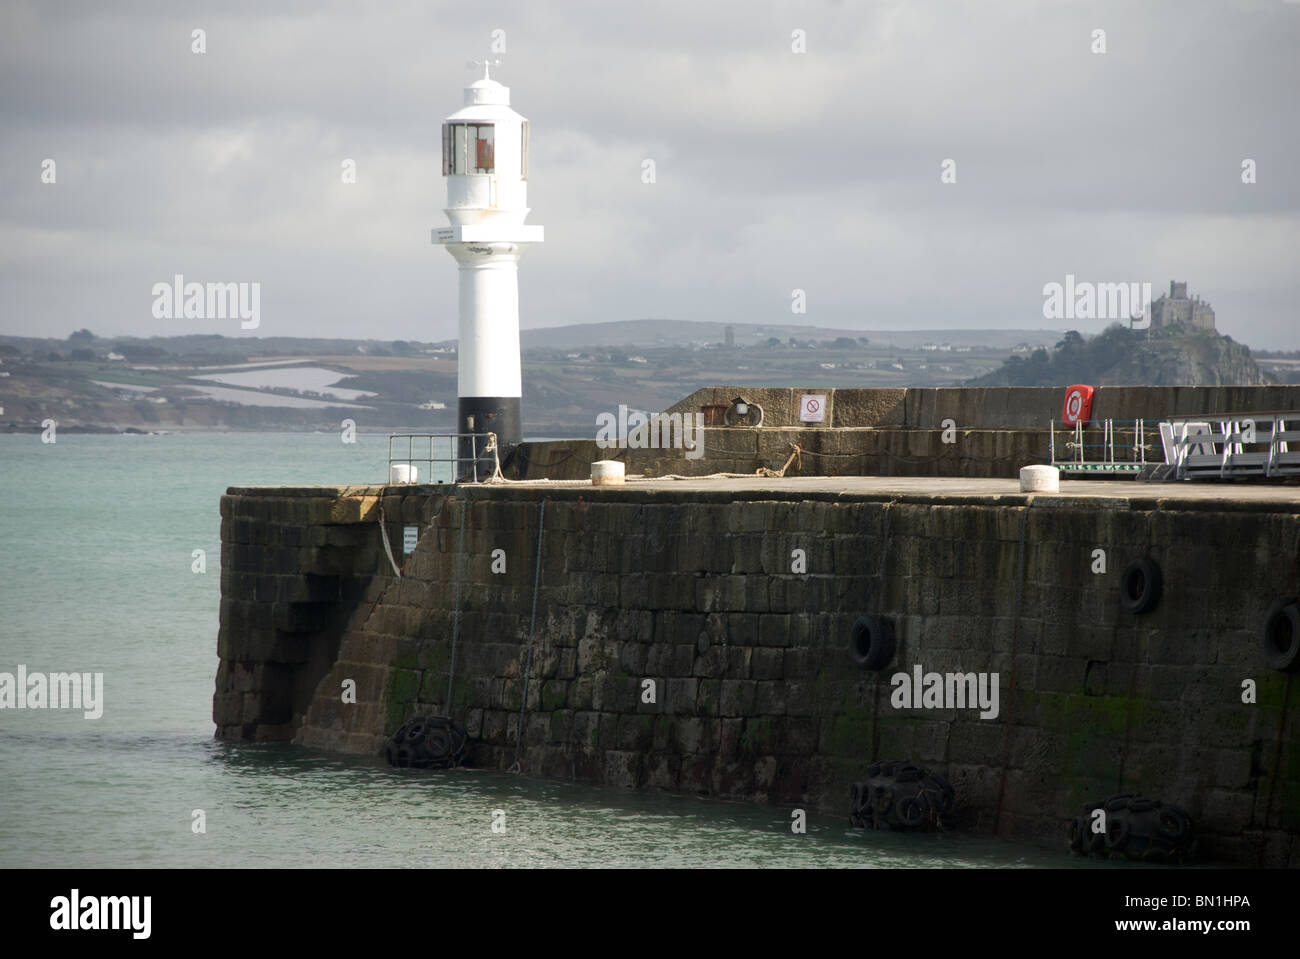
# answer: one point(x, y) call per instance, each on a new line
point(871, 642)
point(1281, 636)
point(1140, 586)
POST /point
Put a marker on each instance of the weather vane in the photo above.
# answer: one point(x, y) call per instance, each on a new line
point(484, 63)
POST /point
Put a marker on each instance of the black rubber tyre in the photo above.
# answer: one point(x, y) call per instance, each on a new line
point(871, 643)
point(1173, 823)
point(900, 795)
point(1117, 830)
point(1075, 835)
point(883, 799)
point(428, 742)
point(856, 802)
point(911, 812)
point(1281, 638)
point(1140, 828)
point(1140, 586)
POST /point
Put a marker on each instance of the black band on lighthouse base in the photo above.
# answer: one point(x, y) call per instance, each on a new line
point(487, 414)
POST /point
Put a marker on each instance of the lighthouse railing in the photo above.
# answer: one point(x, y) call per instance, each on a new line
point(434, 458)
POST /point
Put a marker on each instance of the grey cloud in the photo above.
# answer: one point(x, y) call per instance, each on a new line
point(775, 170)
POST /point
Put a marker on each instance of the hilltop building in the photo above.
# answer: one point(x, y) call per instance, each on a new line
point(1176, 307)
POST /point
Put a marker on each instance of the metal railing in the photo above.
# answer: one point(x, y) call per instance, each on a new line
point(1079, 450)
point(464, 457)
point(1229, 445)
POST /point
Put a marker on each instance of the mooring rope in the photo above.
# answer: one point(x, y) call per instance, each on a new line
point(455, 616)
point(532, 622)
point(383, 529)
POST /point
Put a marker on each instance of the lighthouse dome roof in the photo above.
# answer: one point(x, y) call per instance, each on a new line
point(487, 100)
point(487, 91)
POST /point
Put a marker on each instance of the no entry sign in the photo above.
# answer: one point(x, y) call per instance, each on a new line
point(812, 408)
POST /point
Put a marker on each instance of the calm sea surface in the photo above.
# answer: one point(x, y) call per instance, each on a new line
point(97, 535)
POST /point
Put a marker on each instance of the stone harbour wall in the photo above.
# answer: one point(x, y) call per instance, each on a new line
point(958, 431)
point(755, 695)
point(838, 452)
point(990, 408)
point(296, 564)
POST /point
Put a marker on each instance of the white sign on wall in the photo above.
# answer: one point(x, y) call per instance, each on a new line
point(812, 408)
point(410, 536)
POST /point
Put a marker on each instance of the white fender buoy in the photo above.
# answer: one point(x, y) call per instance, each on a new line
point(607, 473)
point(1040, 479)
point(402, 474)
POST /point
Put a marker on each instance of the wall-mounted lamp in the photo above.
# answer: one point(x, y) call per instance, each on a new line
point(741, 412)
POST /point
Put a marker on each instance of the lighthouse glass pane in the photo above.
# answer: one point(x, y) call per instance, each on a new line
point(446, 150)
point(483, 143)
point(458, 155)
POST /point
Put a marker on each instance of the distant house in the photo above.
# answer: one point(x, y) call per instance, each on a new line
point(1020, 348)
point(115, 357)
point(930, 347)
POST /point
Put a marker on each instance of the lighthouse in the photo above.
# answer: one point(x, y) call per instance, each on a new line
point(485, 161)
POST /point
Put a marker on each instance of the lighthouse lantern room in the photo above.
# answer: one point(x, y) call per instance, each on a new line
point(485, 161)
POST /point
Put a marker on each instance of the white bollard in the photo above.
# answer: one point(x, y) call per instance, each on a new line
point(607, 473)
point(1040, 479)
point(400, 474)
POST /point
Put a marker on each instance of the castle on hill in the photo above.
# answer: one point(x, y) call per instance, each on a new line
point(1176, 307)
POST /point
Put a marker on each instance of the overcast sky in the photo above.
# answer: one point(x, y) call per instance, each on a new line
point(776, 170)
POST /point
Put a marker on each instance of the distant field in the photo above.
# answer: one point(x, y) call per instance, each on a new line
point(385, 364)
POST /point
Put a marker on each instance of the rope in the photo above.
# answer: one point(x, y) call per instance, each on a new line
point(383, 529)
point(455, 620)
point(794, 458)
point(528, 665)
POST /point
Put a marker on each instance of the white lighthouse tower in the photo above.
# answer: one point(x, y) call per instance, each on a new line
point(485, 161)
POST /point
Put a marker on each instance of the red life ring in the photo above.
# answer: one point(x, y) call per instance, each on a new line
point(1078, 404)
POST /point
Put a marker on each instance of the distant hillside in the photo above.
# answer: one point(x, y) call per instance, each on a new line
point(1172, 356)
point(651, 332)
